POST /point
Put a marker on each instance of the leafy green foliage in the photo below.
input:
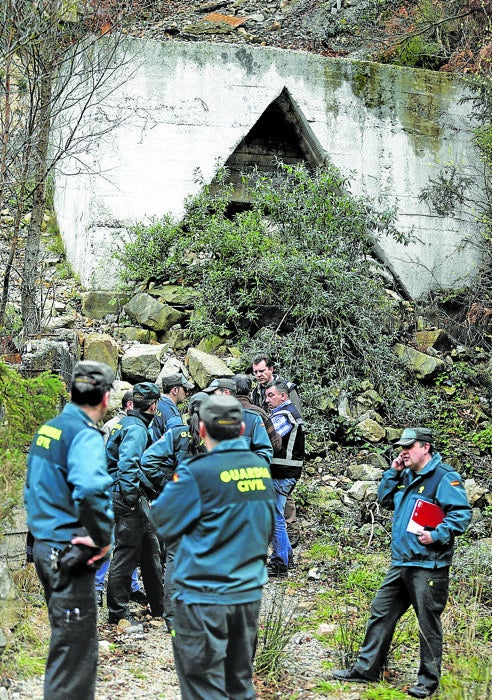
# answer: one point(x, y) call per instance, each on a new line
point(24, 405)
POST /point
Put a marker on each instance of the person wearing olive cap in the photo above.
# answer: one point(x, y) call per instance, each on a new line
point(174, 389)
point(222, 505)
point(418, 481)
point(68, 502)
point(135, 539)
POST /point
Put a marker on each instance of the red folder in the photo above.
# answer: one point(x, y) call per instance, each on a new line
point(425, 515)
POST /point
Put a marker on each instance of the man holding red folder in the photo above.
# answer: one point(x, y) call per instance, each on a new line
point(420, 558)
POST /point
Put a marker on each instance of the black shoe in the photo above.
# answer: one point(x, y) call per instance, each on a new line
point(139, 597)
point(419, 691)
point(99, 599)
point(350, 675)
point(277, 570)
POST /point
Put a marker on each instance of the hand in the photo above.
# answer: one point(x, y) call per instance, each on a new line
point(89, 542)
point(398, 464)
point(425, 537)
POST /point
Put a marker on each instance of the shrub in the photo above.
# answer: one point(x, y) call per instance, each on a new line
point(25, 404)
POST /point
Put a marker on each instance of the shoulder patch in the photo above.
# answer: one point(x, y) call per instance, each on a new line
point(454, 483)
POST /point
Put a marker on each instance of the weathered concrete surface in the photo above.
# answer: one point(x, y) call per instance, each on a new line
point(188, 106)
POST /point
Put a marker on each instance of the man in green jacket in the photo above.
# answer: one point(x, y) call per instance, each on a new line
point(222, 504)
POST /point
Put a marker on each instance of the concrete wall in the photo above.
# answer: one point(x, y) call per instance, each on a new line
point(188, 106)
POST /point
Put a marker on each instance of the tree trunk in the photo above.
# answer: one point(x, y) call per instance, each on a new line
point(30, 298)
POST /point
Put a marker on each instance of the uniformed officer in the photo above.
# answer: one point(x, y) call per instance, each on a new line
point(158, 464)
point(135, 539)
point(68, 502)
point(222, 504)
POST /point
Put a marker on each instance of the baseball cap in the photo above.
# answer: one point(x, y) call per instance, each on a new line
point(175, 379)
point(411, 435)
point(196, 400)
point(146, 391)
point(221, 410)
point(221, 383)
point(88, 375)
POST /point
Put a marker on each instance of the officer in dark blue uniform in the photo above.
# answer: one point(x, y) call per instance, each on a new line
point(222, 504)
point(135, 539)
point(68, 503)
point(158, 464)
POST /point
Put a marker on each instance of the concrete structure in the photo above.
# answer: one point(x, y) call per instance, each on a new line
point(189, 106)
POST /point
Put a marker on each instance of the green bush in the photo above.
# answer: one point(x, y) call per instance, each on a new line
point(24, 405)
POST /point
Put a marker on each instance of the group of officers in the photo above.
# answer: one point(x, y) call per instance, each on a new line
point(213, 491)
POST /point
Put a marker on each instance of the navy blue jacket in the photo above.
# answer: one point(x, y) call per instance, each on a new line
point(222, 504)
point(399, 491)
point(160, 460)
point(67, 484)
point(166, 416)
point(127, 442)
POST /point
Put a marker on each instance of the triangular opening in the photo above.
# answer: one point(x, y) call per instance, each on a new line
point(282, 132)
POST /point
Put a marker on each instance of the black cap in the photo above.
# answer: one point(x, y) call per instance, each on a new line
point(221, 410)
point(411, 435)
point(146, 391)
point(89, 375)
point(196, 400)
point(221, 383)
point(176, 379)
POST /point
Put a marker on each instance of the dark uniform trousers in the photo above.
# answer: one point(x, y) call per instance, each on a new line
point(427, 591)
point(136, 543)
point(71, 668)
point(214, 646)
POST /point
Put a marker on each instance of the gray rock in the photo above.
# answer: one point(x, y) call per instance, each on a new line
point(421, 364)
point(371, 430)
point(97, 305)
point(204, 367)
point(142, 362)
point(150, 313)
point(101, 347)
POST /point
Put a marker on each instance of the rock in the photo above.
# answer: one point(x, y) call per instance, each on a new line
point(175, 295)
point(176, 338)
point(392, 434)
point(97, 305)
point(101, 347)
point(204, 367)
point(363, 490)
point(142, 363)
point(40, 355)
point(366, 472)
point(371, 430)
point(141, 335)
point(65, 321)
point(210, 344)
point(150, 313)
point(423, 366)
point(104, 647)
point(473, 491)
